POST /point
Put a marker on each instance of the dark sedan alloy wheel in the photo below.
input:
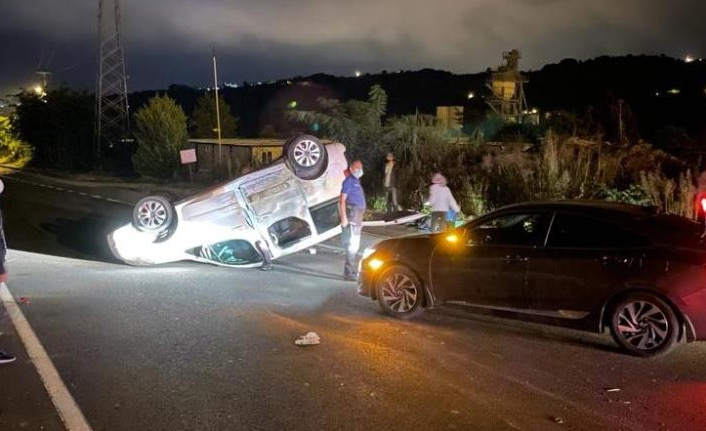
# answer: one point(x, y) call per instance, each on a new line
point(399, 292)
point(644, 325)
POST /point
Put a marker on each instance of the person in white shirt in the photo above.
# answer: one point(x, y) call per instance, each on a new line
point(441, 201)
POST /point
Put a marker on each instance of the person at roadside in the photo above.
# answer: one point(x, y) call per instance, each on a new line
point(4, 357)
point(442, 202)
point(351, 209)
point(389, 183)
point(699, 208)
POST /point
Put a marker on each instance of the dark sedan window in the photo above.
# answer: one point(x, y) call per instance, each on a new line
point(512, 230)
point(570, 231)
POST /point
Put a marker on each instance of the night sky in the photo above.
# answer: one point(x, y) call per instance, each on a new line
point(169, 41)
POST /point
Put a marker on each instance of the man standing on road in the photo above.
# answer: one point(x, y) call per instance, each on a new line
point(351, 208)
point(4, 357)
point(389, 182)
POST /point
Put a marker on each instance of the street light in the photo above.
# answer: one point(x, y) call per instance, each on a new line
point(358, 73)
point(471, 95)
point(688, 59)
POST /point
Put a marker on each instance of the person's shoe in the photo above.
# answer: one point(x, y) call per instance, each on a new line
point(266, 267)
point(6, 358)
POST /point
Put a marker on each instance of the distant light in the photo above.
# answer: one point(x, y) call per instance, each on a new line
point(657, 93)
point(358, 73)
point(471, 95)
point(674, 91)
point(292, 104)
point(39, 90)
point(689, 59)
point(534, 111)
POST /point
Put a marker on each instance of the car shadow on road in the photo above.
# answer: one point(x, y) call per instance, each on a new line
point(86, 236)
point(301, 270)
point(500, 325)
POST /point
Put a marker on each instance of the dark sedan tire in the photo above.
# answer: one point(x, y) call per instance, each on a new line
point(307, 156)
point(644, 325)
point(153, 214)
point(400, 292)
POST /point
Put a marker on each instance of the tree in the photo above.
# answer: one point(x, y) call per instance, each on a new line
point(59, 126)
point(204, 122)
point(11, 148)
point(160, 132)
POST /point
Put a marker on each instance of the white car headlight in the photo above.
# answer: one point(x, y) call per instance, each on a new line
point(368, 252)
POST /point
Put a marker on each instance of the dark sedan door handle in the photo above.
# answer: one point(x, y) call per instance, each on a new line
point(517, 258)
point(615, 260)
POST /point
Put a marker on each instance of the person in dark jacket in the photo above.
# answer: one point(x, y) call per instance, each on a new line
point(389, 183)
point(4, 357)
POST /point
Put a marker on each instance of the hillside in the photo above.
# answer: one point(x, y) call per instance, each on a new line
point(659, 91)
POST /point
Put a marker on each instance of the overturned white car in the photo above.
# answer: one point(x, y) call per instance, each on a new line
point(283, 208)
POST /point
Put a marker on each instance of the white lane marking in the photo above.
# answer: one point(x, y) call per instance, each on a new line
point(71, 191)
point(66, 406)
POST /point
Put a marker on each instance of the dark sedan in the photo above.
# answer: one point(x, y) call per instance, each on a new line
point(584, 264)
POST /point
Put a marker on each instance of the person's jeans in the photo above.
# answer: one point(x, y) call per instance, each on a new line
point(391, 199)
point(438, 221)
point(350, 239)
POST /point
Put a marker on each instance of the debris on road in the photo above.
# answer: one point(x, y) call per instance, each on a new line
point(25, 300)
point(612, 389)
point(558, 419)
point(310, 339)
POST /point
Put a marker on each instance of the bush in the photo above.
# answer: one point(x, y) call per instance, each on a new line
point(160, 132)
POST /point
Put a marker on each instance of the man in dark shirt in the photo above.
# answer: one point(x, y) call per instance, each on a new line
point(351, 209)
point(389, 183)
point(4, 357)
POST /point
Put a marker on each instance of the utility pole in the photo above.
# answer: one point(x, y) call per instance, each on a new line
point(44, 74)
point(218, 117)
point(112, 120)
point(620, 119)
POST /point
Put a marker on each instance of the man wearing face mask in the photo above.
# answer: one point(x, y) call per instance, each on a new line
point(351, 209)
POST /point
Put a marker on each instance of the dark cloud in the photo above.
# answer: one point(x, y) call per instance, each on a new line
point(170, 40)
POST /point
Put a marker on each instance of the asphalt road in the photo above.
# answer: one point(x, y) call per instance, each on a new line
point(195, 347)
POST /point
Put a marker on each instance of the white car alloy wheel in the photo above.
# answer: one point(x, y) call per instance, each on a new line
point(153, 214)
point(307, 153)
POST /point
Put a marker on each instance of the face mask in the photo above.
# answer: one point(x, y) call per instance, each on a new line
point(358, 173)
